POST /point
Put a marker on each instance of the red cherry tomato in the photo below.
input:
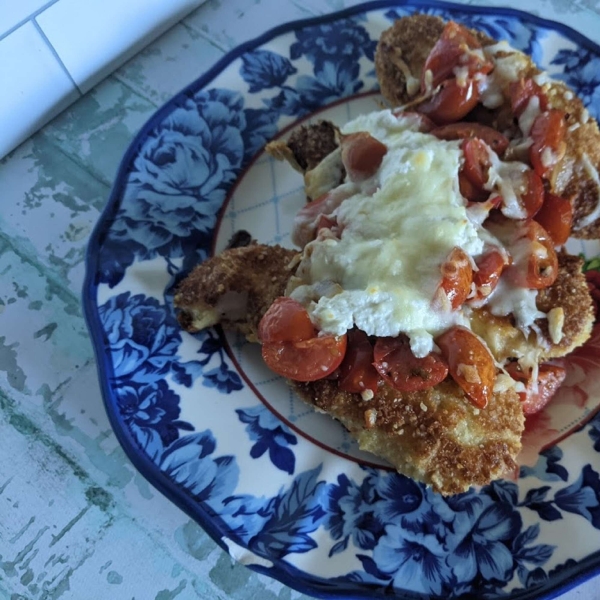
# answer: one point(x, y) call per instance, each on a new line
point(477, 162)
point(402, 370)
point(556, 217)
point(548, 147)
point(533, 197)
point(453, 49)
point(309, 218)
point(520, 93)
point(451, 102)
point(460, 131)
point(286, 321)
point(537, 266)
point(357, 373)
point(469, 191)
point(457, 275)
point(306, 360)
point(550, 378)
point(490, 266)
point(470, 363)
point(362, 155)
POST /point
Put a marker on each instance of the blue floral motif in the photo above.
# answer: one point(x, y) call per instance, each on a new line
point(342, 42)
point(582, 73)
point(271, 435)
point(188, 463)
point(265, 69)
point(352, 515)
point(594, 431)
point(296, 513)
point(142, 335)
point(151, 412)
point(412, 560)
point(548, 467)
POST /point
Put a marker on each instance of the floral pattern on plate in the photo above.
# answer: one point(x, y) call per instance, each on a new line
point(255, 474)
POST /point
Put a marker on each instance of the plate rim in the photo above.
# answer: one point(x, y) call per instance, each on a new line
point(281, 571)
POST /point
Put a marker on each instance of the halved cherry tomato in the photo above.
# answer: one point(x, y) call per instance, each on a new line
point(556, 217)
point(460, 131)
point(309, 218)
point(550, 378)
point(457, 275)
point(477, 161)
point(451, 102)
point(521, 92)
point(533, 197)
point(285, 321)
point(470, 363)
point(362, 155)
point(469, 191)
point(307, 360)
point(537, 265)
point(453, 49)
point(402, 370)
point(357, 373)
point(548, 148)
point(490, 266)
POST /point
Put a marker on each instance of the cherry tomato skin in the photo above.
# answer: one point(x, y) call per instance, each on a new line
point(533, 198)
point(538, 266)
point(457, 275)
point(402, 370)
point(362, 155)
point(357, 373)
point(461, 131)
point(470, 363)
point(556, 217)
point(521, 92)
point(469, 191)
point(548, 147)
point(451, 102)
point(285, 321)
point(307, 360)
point(450, 51)
point(490, 266)
point(477, 162)
point(550, 378)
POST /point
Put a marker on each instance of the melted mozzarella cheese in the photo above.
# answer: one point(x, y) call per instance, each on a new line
point(387, 260)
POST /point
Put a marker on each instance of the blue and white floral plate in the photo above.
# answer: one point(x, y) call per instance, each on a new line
point(281, 488)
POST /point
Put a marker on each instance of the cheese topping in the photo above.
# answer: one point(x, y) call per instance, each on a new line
point(387, 259)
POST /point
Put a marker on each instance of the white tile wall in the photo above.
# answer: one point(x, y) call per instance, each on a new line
point(53, 50)
point(94, 37)
point(13, 12)
point(35, 87)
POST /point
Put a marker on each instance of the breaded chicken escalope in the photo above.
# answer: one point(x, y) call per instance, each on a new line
point(399, 62)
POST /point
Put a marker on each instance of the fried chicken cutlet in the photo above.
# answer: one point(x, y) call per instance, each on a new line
point(434, 435)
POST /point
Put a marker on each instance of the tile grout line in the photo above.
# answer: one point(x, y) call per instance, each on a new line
point(202, 34)
point(45, 271)
point(32, 16)
point(123, 81)
point(55, 54)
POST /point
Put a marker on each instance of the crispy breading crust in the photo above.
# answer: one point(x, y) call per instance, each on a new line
point(407, 44)
point(249, 278)
point(435, 436)
point(448, 444)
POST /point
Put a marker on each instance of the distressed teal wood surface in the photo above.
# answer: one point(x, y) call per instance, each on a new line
point(76, 519)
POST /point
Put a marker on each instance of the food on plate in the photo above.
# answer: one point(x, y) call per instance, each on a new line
point(432, 294)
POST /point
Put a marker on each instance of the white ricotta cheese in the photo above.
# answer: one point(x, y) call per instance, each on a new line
point(387, 259)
